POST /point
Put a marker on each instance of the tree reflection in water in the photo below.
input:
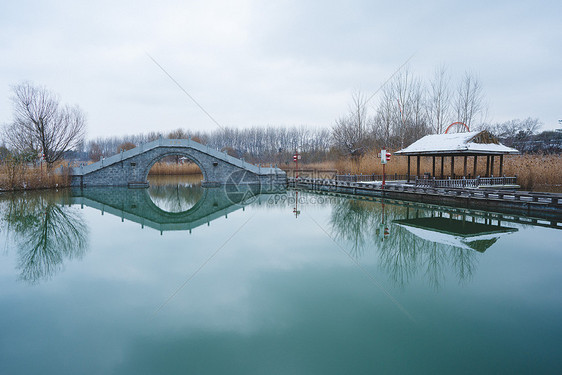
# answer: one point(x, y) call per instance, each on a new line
point(402, 254)
point(45, 233)
point(351, 221)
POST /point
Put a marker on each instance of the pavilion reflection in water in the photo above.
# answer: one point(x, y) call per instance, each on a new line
point(449, 231)
point(413, 240)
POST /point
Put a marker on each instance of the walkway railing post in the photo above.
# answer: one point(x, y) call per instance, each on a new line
point(408, 178)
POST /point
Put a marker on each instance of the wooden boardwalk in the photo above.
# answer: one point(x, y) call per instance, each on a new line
point(546, 205)
point(488, 216)
point(432, 182)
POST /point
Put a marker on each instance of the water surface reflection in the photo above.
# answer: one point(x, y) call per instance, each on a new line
point(259, 286)
point(45, 232)
point(175, 193)
point(409, 242)
point(414, 241)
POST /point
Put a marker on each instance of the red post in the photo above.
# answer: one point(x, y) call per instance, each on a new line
point(296, 209)
point(296, 160)
point(385, 157)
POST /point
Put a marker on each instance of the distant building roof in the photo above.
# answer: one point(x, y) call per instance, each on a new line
point(471, 143)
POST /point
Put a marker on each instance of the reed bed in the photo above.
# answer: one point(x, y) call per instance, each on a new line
point(15, 177)
point(534, 172)
point(175, 169)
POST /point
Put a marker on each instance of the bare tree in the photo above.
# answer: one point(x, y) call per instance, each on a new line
point(42, 125)
point(401, 115)
point(178, 134)
point(410, 101)
point(438, 101)
point(417, 126)
point(349, 133)
point(469, 101)
point(126, 146)
point(513, 131)
point(96, 152)
point(385, 119)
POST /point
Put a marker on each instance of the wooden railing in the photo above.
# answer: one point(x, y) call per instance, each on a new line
point(459, 182)
point(465, 182)
point(370, 177)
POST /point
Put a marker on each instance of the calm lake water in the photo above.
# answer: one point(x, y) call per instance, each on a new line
point(182, 279)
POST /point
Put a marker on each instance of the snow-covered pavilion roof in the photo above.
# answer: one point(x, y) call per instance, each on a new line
point(471, 143)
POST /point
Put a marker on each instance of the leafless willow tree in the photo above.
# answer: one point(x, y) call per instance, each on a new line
point(439, 100)
point(469, 100)
point(385, 119)
point(401, 114)
point(350, 131)
point(42, 125)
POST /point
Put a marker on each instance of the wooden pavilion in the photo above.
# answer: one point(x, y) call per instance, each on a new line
point(458, 145)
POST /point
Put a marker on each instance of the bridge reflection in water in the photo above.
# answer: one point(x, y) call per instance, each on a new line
point(136, 205)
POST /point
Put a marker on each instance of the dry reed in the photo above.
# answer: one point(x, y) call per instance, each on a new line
point(15, 176)
point(163, 168)
point(534, 172)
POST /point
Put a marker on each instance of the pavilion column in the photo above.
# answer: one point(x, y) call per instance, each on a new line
point(487, 165)
point(442, 163)
point(408, 175)
point(492, 165)
point(465, 161)
point(433, 170)
point(475, 165)
point(501, 165)
point(418, 166)
point(452, 166)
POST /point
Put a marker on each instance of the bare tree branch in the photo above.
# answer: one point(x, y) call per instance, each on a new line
point(41, 125)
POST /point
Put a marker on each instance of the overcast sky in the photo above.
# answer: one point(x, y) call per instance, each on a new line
point(272, 62)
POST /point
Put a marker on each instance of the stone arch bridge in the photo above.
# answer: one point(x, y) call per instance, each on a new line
point(131, 167)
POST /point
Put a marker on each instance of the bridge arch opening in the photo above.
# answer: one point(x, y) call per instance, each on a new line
point(175, 164)
point(175, 182)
